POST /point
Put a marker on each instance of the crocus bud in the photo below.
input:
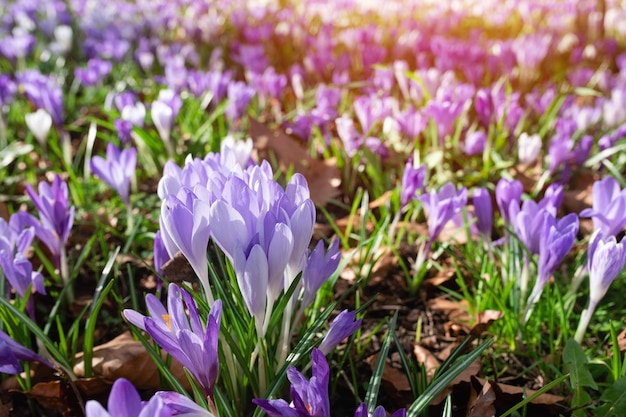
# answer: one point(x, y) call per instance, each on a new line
point(484, 211)
point(507, 193)
point(342, 326)
point(529, 147)
point(475, 143)
point(39, 124)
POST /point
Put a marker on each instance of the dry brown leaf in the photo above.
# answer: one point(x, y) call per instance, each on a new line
point(51, 395)
point(124, 357)
point(484, 320)
point(621, 340)
point(178, 269)
point(465, 376)
point(391, 375)
point(481, 403)
point(425, 357)
point(505, 389)
point(322, 176)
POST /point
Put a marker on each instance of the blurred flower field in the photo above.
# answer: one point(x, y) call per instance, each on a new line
point(312, 208)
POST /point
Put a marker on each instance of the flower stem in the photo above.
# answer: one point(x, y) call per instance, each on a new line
point(64, 271)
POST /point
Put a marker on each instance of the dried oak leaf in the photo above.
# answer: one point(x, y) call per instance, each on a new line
point(178, 269)
point(125, 357)
point(322, 176)
point(426, 358)
point(52, 395)
point(482, 398)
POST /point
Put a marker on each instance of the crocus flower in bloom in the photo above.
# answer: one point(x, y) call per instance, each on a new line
point(605, 260)
point(379, 411)
point(309, 397)
point(342, 326)
point(609, 207)
point(55, 213)
point(124, 401)
point(412, 181)
point(442, 206)
point(239, 96)
point(12, 352)
point(185, 338)
point(117, 169)
point(557, 238)
point(484, 211)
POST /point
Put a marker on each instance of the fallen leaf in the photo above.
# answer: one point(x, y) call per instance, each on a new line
point(484, 320)
point(396, 378)
point(426, 358)
point(322, 176)
point(125, 357)
point(178, 269)
point(51, 395)
point(483, 403)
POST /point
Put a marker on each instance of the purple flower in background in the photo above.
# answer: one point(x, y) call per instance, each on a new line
point(508, 193)
point(44, 92)
point(348, 134)
point(609, 207)
point(17, 269)
point(379, 411)
point(185, 338)
point(483, 104)
point(344, 325)
point(117, 169)
point(557, 238)
point(161, 257)
point(239, 96)
point(442, 206)
point(55, 213)
point(94, 73)
point(309, 397)
point(319, 267)
point(483, 209)
point(475, 143)
point(12, 352)
point(528, 223)
point(412, 181)
point(8, 89)
point(124, 401)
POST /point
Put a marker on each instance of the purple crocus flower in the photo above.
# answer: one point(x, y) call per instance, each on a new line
point(379, 411)
point(412, 181)
point(12, 352)
point(319, 267)
point(193, 344)
point(309, 397)
point(605, 260)
point(185, 228)
point(344, 325)
point(117, 169)
point(442, 206)
point(508, 193)
point(181, 405)
point(124, 401)
point(557, 238)
point(44, 92)
point(609, 207)
point(55, 213)
point(484, 211)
